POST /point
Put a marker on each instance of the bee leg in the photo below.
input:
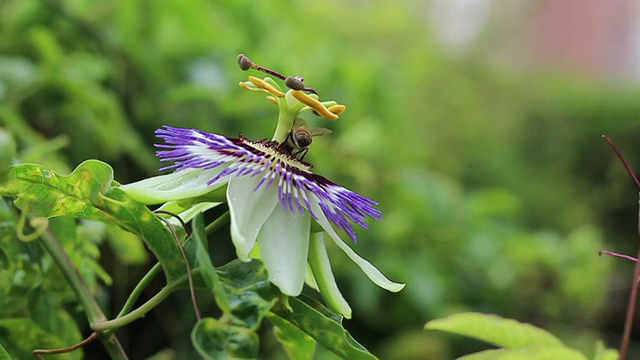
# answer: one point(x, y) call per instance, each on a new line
point(303, 152)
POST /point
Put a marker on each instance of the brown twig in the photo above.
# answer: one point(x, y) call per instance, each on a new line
point(624, 161)
point(39, 352)
point(184, 257)
point(631, 306)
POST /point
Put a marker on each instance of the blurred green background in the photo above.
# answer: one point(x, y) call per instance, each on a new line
point(484, 152)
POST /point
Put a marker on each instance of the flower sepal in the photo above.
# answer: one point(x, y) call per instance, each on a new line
point(186, 211)
point(179, 185)
point(323, 278)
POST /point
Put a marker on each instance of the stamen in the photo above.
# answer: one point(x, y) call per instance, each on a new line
point(272, 99)
point(337, 109)
point(263, 84)
point(314, 104)
point(250, 88)
point(294, 83)
point(246, 64)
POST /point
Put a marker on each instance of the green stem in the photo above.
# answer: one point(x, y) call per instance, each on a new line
point(217, 224)
point(204, 260)
point(86, 299)
point(135, 314)
point(142, 310)
point(126, 315)
point(137, 291)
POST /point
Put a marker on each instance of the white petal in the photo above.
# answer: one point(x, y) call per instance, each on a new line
point(249, 209)
point(321, 267)
point(178, 185)
point(284, 245)
point(371, 271)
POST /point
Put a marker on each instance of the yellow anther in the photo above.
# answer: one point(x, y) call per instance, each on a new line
point(314, 104)
point(272, 99)
point(264, 85)
point(337, 109)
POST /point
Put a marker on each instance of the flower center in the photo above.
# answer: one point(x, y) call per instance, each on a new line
point(297, 99)
point(274, 154)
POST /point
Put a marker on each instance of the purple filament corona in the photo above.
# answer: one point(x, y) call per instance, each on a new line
point(298, 187)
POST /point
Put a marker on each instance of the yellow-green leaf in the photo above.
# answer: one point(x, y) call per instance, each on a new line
point(88, 192)
point(493, 329)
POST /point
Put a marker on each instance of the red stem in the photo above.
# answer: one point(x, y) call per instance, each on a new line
point(624, 162)
point(631, 307)
point(628, 323)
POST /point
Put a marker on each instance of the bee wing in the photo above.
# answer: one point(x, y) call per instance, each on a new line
point(319, 131)
point(299, 122)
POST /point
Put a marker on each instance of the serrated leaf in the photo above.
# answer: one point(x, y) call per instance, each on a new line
point(322, 325)
point(528, 353)
point(88, 193)
point(495, 330)
point(215, 339)
point(297, 344)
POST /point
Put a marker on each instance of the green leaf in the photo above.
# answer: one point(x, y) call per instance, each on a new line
point(3, 354)
point(241, 275)
point(298, 320)
point(82, 247)
point(206, 266)
point(247, 291)
point(215, 339)
point(88, 193)
point(127, 246)
point(47, 311)
point(528, 353)
point(21, 273)
point(295, 342)
point(601, 353)
point(7, 151)
point(493, 329)
point(322, 325)
point(20, 336)
point(249, 308)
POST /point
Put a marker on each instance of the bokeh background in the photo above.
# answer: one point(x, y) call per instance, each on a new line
point(476, 124)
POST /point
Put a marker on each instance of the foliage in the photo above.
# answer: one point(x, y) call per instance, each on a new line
point(516, 340)
point(241, 290)
point(495, 187)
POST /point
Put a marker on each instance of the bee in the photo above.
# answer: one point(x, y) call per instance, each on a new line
point(300, 138)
